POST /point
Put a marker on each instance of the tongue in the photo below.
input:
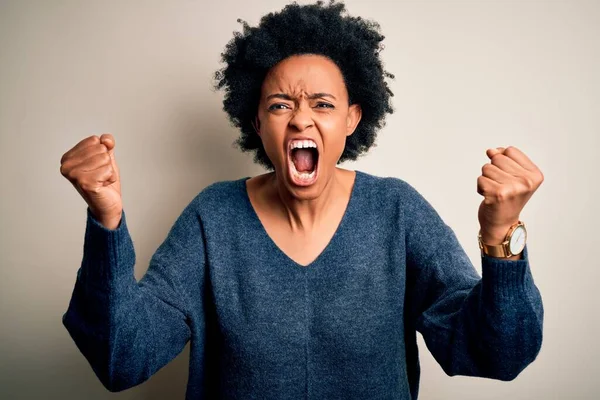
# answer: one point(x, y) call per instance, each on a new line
point(303, 160)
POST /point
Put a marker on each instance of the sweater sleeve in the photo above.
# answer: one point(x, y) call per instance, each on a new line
point(127, 330)
point(487, 326)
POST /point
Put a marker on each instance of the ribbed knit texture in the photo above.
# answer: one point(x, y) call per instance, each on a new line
point(262, 326)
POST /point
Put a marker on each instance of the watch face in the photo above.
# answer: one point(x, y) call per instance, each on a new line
point(517, 240)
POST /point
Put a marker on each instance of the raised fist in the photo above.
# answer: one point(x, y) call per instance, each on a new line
point(91, 167)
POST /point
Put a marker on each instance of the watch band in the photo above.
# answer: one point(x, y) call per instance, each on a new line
point(501, 250)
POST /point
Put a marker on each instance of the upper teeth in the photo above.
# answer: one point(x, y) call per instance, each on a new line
point(302, 144)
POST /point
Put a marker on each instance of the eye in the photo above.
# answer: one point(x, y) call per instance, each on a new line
point(324, 105)
point(278, 106)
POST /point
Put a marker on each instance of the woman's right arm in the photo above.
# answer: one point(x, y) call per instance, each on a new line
point(128, 330)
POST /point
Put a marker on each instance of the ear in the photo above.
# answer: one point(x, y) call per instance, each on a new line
point(354, 116)
point(256, 125)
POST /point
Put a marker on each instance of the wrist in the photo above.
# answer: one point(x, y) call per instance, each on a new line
point(109, 221)
point(495, 237)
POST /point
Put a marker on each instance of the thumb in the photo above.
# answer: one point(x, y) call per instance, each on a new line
point(492, 152)
point(109, 141)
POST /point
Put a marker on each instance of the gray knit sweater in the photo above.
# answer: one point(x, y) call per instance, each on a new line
point(261, 326)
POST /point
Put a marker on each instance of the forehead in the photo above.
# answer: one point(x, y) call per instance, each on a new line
point(305, 74)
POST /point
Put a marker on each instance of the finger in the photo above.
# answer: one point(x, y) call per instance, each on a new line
point(507, 164)
point(496, 174)
point(108, 140)
point(520, 158)
point(89, 141)
point(111, 153)
point(115, 168)
point(83, 154)
point(111, 179)
point(95, 162)
point(493, 151)
point(73, 170)
point(487, 187)
point(92, 179)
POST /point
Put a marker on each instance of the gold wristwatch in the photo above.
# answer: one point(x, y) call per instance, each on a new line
point(513, 244)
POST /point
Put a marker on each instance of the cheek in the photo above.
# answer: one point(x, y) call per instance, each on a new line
point(333, 132)
point(272, 136)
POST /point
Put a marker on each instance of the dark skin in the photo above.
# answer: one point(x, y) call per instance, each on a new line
point(304, 95)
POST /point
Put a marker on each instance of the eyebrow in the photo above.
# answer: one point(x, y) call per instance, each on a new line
point(310, 96)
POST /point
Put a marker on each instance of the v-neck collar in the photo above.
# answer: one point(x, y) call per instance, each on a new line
point(332, 242)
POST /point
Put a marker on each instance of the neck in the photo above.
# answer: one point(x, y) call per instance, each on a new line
point(307, 213)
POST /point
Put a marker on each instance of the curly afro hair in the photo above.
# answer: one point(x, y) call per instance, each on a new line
point(353, 43)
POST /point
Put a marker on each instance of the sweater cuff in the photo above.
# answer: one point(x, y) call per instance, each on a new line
point(505, 278)
point(108, 254)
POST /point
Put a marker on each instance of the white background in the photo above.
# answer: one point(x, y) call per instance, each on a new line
point(470, 75)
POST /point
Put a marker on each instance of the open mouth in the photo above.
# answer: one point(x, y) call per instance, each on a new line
point(303, 165)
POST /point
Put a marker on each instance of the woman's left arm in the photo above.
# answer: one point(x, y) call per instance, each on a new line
point(487, 326)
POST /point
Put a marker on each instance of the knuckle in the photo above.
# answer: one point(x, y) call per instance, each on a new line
point(507, 194)
point(105, 158)
point(86, 187)
point(71, 174)
point(481, 181)
point(93, 152)
point(502, 195)
point(527, 182)
point(89, 188)
point(480, 185)
point(96, 148)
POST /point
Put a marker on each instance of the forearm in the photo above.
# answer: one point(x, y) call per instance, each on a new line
point(113, 319)
point(494, 330)
point(487, 325)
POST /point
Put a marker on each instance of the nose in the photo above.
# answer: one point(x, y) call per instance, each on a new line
point(302, 118)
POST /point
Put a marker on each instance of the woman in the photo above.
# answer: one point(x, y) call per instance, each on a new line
point(309, 281)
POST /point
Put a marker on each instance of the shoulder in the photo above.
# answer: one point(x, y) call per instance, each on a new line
point(218, 196)
point(215, 199)
point(397, 195)
point(217, 190)
point(391, 186)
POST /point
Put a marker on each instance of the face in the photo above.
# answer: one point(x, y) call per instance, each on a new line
point(305, 97)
